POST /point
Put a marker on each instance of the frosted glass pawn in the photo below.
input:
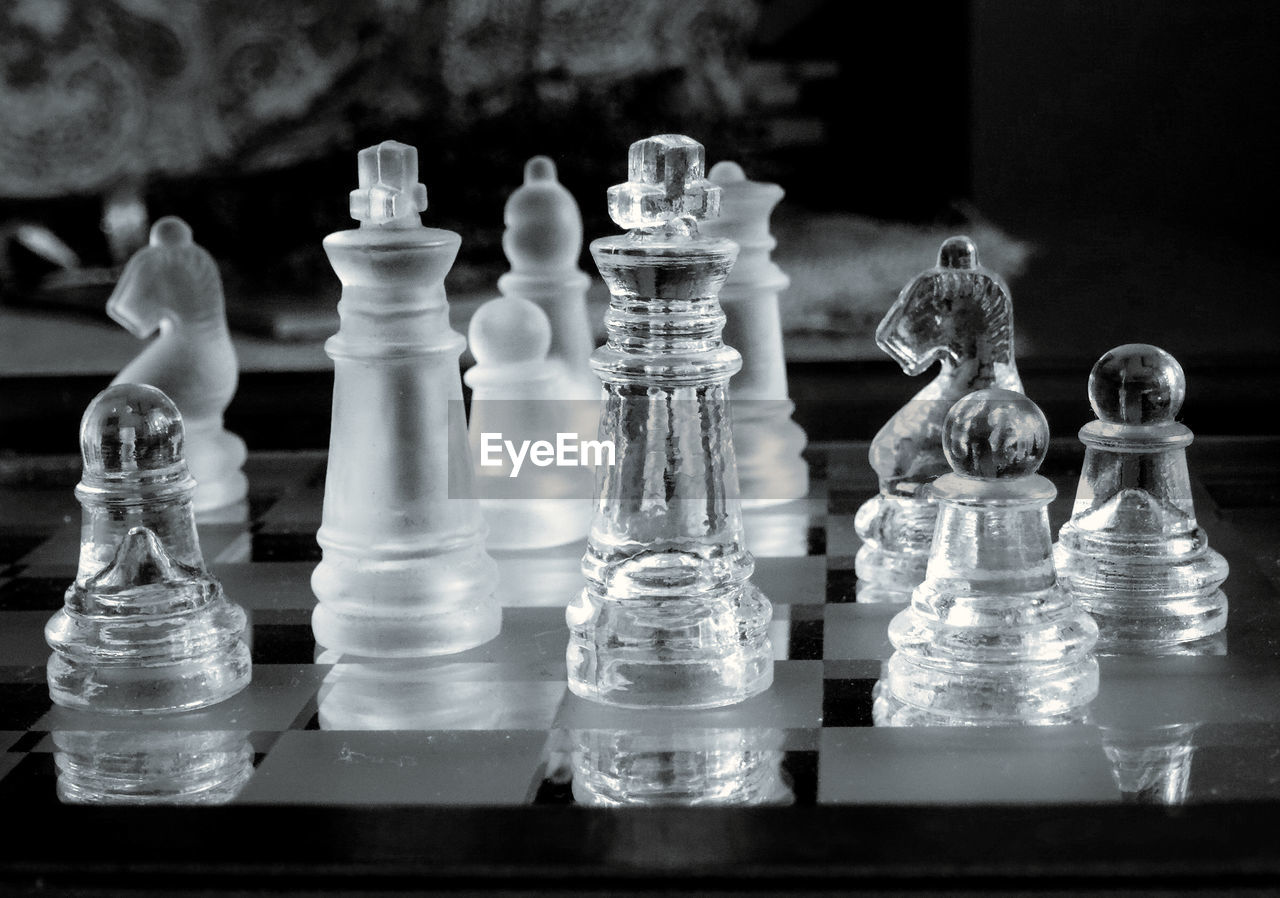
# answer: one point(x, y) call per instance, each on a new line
point(1133, 553)
point(990, 637)
point(173, 286)
point(518, 400)
point(404, 569)
point(669, 616)
point(960, 314)
point(542, 241)
point(145, 628)
point(767, 442)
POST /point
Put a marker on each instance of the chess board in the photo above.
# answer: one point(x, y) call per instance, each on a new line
point(463, 769)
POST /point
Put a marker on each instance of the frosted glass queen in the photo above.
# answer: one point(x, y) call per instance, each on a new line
point(669, 616)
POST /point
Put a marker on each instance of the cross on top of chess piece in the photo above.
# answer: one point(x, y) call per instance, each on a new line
point(1137, 384)
point(389, 195)
point(665, 181)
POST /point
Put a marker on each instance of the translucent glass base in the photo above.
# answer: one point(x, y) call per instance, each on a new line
point(896, 533)
point(682, 768)
point(670, 651)
point(990, 659)
point(152, 767)
point(141, 664)
point(1143, 596)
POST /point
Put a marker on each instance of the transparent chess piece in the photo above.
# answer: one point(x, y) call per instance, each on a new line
point(521, 398)
point(1151, 764)
point(685, 766)
point(404, 570)
point(669, 616)
point(158, 767)
point(1133, 553)
point(959, 313)
point(173, 286)
point(990, 637)
point(766, 441)
point(145, 627)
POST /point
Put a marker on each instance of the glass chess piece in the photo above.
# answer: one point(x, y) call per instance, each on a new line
point(1132, 553)
point(520, 397)
point(767, 442)
point(404, 570)
point(145, 627)
point(679, 766)
point(173, 286)
point(959, 313)
point(990, 637)
point(151, 767)
point(669, 616)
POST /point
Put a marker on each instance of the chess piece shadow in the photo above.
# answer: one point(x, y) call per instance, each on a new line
point(960, 314)
point(145, 627)
point(173, 286)
point(151, 767)
point(1133, 553)
point(990, 637)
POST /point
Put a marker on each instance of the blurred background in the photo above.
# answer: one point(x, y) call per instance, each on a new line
point(1116, 162)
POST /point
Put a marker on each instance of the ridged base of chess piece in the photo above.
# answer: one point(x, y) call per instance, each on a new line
point(767, 444)
point(163, 645)
point(535, 523)
point(670, 651)
point(686, 768)
point(404, 608)
point(215, 457)
point(152, 767)
point(1145, 595)
point(896, 533)
point(990, 659)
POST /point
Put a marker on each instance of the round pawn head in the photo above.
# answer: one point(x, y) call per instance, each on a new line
point(509, 331)
point(665, 181)
point(959, 253)
point(995, 433)
point(131, 431)
point(1137, 384)
point(544, 225)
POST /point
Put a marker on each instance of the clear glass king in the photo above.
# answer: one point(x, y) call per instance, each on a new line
point(669, 617)
point(405, 571)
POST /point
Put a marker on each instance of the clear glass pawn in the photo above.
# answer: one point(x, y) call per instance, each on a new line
point(990, 637)
point(1133, 553)
point(669, 616)
point(145, 627)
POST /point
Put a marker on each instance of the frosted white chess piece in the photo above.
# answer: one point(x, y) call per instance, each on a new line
point(145, 627)
point(765, 439)
point(959, 313)
point(542, 241)
point(404, 569)
point(1133, 553)
point(173, 285)
point(990, 637)
point(669, 616)
point(520, 399)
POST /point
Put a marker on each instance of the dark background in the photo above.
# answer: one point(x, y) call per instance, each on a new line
point(1131, 145)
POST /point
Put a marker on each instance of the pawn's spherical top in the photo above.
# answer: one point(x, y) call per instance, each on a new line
point(726, 172)
point(130, 428)
point(543, 224)
point(171, 231)
point(995, 433)
point(958, 252)
point(1137, 383)
point(508, 330)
